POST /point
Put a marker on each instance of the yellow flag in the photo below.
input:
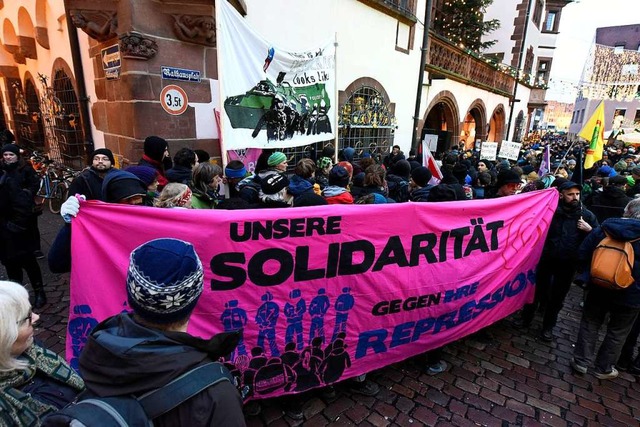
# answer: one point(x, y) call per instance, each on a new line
point(593, 131)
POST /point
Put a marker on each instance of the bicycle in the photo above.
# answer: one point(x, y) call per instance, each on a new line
point(54, 183)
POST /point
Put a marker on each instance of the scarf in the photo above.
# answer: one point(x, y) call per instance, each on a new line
point(22, 408)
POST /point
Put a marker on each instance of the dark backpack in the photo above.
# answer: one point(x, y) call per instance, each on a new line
point(399, 190)
point(138, 411)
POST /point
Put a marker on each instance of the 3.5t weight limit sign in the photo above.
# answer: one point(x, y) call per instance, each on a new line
point(174, 100)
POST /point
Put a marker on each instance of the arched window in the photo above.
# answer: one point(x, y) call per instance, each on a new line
point(61, 120)
point(366, 123)
point(28, 121)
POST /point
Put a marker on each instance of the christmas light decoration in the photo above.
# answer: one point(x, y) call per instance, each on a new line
point(462, 22)
point(611, 73)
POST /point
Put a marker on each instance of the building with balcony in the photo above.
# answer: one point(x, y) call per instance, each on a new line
point(84, 74)
point(611, 74)
point(526, 42)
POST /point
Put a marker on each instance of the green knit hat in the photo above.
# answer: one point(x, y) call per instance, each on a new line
point(324, 162)
point(276, 158)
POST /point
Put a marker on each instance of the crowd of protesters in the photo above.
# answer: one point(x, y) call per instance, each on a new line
point(591, 203)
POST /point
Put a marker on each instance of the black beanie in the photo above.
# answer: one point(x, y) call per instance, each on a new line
point(401, 168)
point(13, 148)
point(154, 147)
point(442, 193)
point(104, 152)
point(507, 176)
point(119, 184)
point(421, 176)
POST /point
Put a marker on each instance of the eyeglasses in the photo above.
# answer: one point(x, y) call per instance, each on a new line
point(29, 319)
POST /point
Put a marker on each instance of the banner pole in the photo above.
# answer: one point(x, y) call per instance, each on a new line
point(219, 122)
point(335, 83)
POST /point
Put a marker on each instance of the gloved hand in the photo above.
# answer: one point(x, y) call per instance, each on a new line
point(70, 208)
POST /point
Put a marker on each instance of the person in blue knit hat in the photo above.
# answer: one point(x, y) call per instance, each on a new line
point(136, 352)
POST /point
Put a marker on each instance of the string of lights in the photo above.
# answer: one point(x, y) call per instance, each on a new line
point(611, 73)
point(462, 23)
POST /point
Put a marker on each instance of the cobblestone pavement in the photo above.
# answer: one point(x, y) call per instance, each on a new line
point(511, 379)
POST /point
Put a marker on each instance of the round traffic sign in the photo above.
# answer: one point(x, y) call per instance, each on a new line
point(174, 100)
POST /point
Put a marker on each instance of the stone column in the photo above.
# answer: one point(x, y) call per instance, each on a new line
point(150, 34)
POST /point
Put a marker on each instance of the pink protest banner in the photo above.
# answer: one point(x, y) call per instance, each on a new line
point(324, 293)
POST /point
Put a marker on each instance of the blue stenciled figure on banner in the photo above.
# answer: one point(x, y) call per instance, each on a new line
point(317, 310)
point(79, 329)
point(294, 311)
point(266, 318)
point(344, 303)
point(233, 319)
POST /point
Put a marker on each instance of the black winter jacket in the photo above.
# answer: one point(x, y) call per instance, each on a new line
point(25, 176)
point(88, 183)
point(16, 220)
point(564, 237)
point(123, 357)
point(609, 203)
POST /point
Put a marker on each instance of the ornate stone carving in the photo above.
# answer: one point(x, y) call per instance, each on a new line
point(195, 29)
point(136, 46)
point(98, 25)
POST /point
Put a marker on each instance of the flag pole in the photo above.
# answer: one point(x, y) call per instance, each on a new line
point(220, 123)
point(564, 157)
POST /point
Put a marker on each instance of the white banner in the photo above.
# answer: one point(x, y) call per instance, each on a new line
point(431, 141)
point(510, 150)
point(272, 98)
point(488, 150)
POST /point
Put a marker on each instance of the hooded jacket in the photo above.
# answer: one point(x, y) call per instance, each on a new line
point(123, 357)
point(420, 194)
point(624, 229)
point(179, 174)
point(299, 186)
point(119, 184)
point(336, 195)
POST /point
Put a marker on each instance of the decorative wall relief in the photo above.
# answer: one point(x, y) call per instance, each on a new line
point(21, 106)
point(195, 29)
point(136, 46)
point(98, 25)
